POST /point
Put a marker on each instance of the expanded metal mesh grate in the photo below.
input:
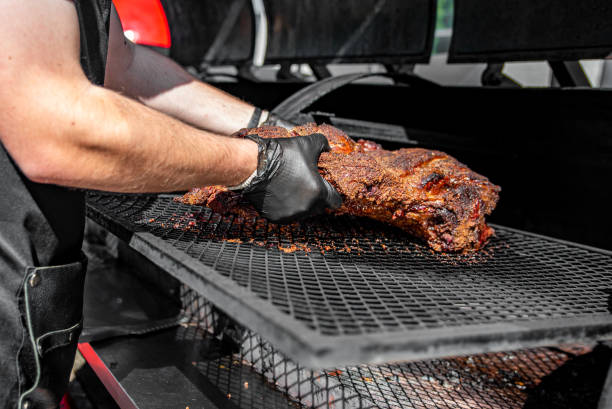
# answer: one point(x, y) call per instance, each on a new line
point(503, 380)
point(342, 276)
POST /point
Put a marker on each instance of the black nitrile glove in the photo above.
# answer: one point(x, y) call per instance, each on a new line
point(287, 184)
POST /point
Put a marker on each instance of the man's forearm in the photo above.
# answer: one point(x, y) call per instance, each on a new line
point(110, 142)
point(59, 128)
point(163, 85)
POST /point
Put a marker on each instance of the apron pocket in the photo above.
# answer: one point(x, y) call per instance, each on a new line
point(53, 301)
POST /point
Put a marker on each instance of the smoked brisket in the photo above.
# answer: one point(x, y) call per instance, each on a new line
point(426, 193)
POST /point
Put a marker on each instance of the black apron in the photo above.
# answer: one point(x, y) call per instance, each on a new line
point(42, 270)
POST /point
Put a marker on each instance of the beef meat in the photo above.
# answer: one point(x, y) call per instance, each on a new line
point(426, 193)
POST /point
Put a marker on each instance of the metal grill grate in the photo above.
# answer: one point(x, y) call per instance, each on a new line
point(349, 290)
point(502, 380)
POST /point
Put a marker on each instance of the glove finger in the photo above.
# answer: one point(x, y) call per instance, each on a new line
point(315, 144)
point(331, 197)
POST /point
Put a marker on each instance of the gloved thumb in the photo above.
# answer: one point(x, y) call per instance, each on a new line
point(332, 198)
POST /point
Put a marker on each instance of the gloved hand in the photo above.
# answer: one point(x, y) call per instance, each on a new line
point(287, 184)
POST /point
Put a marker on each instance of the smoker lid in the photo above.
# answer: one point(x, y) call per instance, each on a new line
point(519, 30)
point(365, 292)
point(316, 31)
point(321, 31)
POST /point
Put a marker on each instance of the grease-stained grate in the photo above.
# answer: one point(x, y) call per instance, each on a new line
point(343, 278)
point(563, 377)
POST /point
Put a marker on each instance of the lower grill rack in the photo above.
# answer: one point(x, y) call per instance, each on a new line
point(569, 376)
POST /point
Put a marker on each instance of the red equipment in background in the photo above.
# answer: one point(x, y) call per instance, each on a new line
point(144, 22)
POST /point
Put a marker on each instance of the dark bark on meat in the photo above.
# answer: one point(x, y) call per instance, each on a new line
point(425, 193)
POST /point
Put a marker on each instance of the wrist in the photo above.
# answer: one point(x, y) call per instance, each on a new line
point(245, 158)
point(264, 117)
point(258, 117)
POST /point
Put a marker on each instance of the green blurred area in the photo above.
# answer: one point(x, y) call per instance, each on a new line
point(445, 14)
point(444, 21)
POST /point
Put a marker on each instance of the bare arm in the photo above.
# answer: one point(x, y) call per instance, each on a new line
point(162, 84)
point(61, 129)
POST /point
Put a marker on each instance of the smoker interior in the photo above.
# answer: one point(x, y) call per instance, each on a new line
point(548, 148)
point(340, 290)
